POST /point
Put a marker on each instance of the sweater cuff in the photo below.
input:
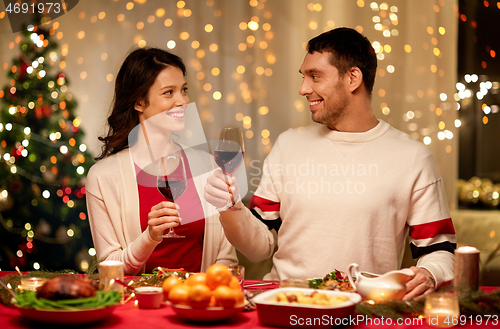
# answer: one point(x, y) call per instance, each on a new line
point(441, 266)
point(139, 251)
point(234, 218)
point(150, 239)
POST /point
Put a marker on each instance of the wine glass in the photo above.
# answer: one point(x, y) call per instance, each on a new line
point(171, 182)
point(228, 153)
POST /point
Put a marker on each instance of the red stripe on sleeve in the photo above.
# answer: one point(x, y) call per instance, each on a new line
point(430, 230)
point(264, 204)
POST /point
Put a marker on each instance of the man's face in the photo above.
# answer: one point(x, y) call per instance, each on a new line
point(325, 90)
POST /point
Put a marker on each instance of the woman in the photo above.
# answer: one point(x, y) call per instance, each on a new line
point(127, 219)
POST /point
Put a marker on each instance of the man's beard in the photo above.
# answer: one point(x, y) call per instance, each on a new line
point(333, 110)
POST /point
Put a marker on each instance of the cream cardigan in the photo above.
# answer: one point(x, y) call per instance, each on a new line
point(113, 209)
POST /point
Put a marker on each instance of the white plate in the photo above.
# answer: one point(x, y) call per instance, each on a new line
point(67, 316)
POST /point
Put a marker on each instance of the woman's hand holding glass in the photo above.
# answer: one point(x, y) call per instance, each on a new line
point(163, 216)
point(216, 190)
point(171, 183)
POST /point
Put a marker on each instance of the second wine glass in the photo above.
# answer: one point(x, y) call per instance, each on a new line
point(171, 182)
point(229, 153)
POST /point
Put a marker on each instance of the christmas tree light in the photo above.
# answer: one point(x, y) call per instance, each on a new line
point(42, 162)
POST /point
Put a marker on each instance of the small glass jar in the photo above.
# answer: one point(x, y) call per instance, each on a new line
point(442, 310)
point(238, 271)
point(32, 283)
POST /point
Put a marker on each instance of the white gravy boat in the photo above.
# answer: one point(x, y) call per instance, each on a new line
point(391, 285)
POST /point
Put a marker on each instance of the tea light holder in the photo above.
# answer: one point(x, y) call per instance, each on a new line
point(442, 310)
point(109, 270)
point(466, 269)
point(239, 272)
point(32, 283)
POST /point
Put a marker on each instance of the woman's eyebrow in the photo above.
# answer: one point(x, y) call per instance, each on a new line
point(172, 86)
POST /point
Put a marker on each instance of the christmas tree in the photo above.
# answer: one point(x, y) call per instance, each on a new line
point(43, 219)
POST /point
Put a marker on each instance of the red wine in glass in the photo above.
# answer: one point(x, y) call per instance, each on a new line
point(171, 189)
point(228, 161)
point(171, 182)
point(228, 154)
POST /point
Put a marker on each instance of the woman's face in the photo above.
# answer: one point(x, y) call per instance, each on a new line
point(168, 92)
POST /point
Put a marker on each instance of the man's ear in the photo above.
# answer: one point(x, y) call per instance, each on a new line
point(355, 77)
point(140, 105)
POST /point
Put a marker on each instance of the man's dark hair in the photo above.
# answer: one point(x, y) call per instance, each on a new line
point(348, 48)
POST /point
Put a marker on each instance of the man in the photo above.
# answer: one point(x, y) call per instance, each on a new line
point(346, 189)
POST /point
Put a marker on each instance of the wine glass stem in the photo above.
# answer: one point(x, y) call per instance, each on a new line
point(231, 202)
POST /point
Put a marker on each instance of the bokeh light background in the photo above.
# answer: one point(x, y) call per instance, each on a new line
point(243, 59)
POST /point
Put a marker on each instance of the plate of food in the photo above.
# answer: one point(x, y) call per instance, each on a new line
point(207, 314)
point(305, 308)
point(336, 280)
point(205, 297)
point(58, 316)
point(67, 299)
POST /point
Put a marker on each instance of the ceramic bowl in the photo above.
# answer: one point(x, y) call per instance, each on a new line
point(208, 314)
point(294, 315)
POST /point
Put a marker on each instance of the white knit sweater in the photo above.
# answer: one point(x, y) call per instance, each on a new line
point(346, 198)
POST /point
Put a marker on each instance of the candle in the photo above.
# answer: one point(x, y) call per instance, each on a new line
point(442, 310)
point(466, 269)
point(110, 270)
point(32, 283)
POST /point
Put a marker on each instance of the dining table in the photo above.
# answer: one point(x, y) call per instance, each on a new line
point(129, 316)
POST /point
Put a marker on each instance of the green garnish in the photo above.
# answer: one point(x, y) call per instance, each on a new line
point(28, 299)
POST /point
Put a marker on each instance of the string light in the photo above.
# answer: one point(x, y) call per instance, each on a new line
point(251, 45)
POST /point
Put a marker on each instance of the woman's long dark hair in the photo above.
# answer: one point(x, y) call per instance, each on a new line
point(137, 74)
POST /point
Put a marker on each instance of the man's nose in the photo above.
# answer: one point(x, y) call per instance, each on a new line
point(305, 89)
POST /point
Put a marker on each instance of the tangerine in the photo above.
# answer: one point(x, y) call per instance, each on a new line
point(240, 297)
point(218, 275)
point(196, 279)
point(168, 283)
point(225, 296)
point(199, 295)
point(213, 301)
point(235, 283)
point(179, 294)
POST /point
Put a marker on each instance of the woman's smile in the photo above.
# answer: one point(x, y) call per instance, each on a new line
point(176, 115)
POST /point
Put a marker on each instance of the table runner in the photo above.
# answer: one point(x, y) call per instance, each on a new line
point(129, 316)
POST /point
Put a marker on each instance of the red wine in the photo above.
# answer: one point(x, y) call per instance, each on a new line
point(228, 161)
point(171, 189)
